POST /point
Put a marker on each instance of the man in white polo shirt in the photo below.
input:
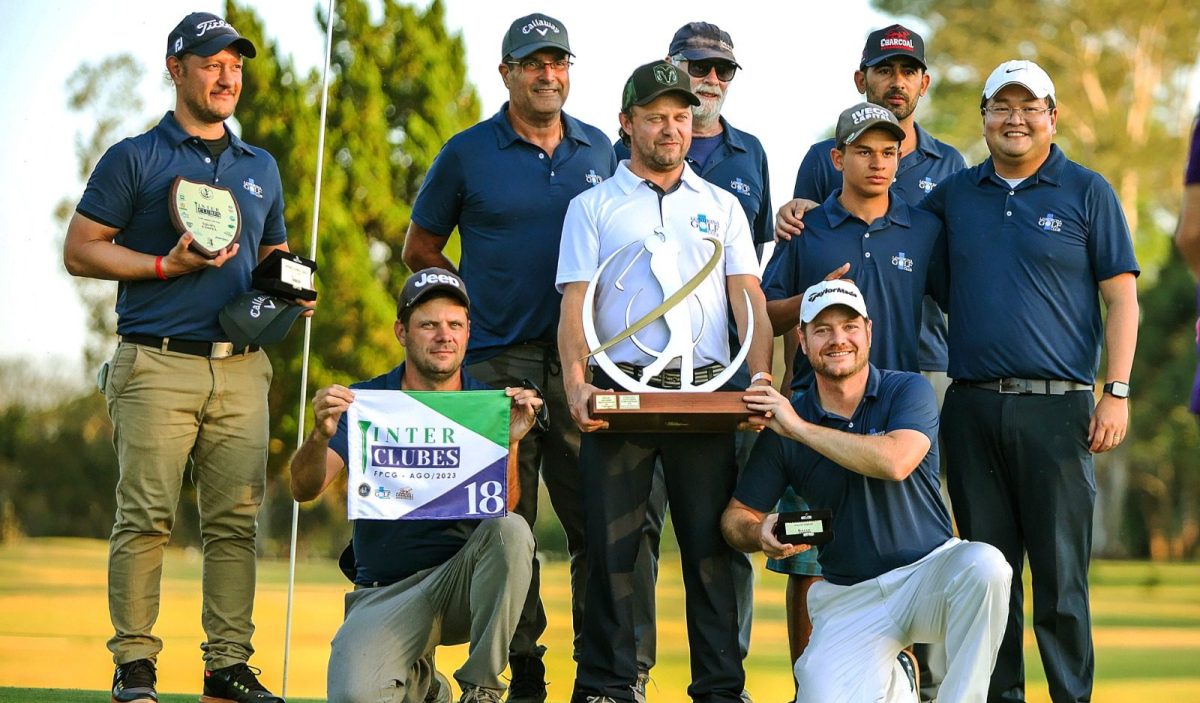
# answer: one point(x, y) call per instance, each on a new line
point(653, 227)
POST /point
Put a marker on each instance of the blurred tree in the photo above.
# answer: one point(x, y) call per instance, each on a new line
point(1121, 73)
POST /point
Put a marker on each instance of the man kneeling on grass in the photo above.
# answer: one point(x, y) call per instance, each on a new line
point(423, 583)
point(862, 443)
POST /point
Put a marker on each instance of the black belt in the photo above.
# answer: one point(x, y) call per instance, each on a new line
point(670, 378)
point(1027, 386)
point(211, 350)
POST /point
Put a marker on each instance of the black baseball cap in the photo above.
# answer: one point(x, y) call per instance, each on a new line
point(889, 42)
point(533, 32)
point(204, 34)
point(854, 121)
point(700, 40)
point(657, 78)
point(258, 318)
point(427, 281)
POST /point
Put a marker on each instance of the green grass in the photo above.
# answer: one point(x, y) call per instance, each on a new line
point(54, 624)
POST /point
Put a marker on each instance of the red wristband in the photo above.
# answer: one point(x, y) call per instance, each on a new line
point(158, 269)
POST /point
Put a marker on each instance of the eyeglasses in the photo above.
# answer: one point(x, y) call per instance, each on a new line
point(700, 69)
point(532, 66)
point(1029, 114)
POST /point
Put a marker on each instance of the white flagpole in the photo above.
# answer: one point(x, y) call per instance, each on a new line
point(312, 254)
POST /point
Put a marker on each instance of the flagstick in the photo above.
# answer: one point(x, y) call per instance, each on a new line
point(312, 254)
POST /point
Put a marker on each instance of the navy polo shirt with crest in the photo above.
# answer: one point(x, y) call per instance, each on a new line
point(893, 260)
point(508, 199)
point(920, 171)
point(386, 551)
point(130, 190)
point(739, 165)
point(878, 525)
point(1025, 263)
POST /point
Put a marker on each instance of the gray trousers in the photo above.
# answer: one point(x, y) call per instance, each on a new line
point(383, 651)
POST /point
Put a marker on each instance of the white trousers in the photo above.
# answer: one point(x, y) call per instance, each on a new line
point(958, 594)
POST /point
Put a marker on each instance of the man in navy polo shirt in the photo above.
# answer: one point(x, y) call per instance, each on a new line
point(178, 392)
point(419, 584)
point(505, 184)
point(736, 162)
point(1035, 242)
point(862, 443)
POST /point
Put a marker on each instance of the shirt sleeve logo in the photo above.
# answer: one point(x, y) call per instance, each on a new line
point(1050, 223)
point(739, 186)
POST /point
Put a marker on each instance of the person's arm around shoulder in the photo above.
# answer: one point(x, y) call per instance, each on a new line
point(90, 250)
point(315, 465)
point(1110, 419)
point(891, 456)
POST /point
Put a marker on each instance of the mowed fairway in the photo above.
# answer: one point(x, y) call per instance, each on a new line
point(54, 624)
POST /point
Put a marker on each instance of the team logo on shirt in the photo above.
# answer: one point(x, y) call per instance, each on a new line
point(902, 262)
point(1050, 223)
point(254, 188)
point(705, 225)
point(926, 184)
point(592, 177)
point(740, 186)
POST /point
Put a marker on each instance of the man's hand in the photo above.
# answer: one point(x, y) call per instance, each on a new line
point(181, 259)
point(526, 403)
point(789, 220)
point(328, 406)
point(773, 547)
point(772, 410)
point(838, 272)
point(1109, 423)
point(578, 398)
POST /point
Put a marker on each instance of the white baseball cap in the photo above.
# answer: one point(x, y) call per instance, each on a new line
point(1023, 73)
point(826, 293)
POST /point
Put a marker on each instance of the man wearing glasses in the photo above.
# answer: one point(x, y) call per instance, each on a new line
point(734, 161)
point(505, 184)
point(1035, 241)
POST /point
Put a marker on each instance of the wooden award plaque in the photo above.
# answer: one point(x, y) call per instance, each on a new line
point(669, 411)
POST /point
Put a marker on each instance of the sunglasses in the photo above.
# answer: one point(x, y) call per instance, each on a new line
point(700, 69)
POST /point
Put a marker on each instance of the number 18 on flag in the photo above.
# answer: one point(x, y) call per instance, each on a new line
point(422, 455)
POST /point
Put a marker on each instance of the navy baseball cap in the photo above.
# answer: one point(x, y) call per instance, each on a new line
point(696, 41)
point(204, 34)
point(425, 282)
point(533, 32)
point(894, 41)
point(657, 78)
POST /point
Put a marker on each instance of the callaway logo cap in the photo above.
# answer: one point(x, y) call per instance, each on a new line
point(532, 32)
point(1020, 72)
point(258, 318)
point(204, 34)
point(700, 40)
point(427, 281)
point(894, 41)
point(837, 292)
point(657, 78)
point(854, 121)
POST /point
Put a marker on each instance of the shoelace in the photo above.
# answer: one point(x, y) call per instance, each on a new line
point(247, 676)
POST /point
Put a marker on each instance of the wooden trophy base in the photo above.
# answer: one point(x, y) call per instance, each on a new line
point(669, 411)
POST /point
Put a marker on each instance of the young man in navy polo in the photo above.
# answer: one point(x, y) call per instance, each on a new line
point(178, 392)
point(1035, 243)
point(419, 584)
point(862, 443)
point(505, 184)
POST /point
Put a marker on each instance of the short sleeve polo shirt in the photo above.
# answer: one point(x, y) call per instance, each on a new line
point(1025, 263)
point(386, 551)
point(878, 525)
point(891, 260)
point(614, 224)
point(130, 190)
point(739, 166)
point(507, 198)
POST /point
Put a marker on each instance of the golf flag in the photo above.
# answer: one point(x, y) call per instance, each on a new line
point(421, 455)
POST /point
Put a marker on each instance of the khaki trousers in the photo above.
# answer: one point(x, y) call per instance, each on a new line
point(171, 411)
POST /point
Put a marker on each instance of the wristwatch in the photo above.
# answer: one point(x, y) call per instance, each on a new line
point(1117, 389)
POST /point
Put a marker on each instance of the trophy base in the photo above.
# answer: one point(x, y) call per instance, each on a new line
point(669, 411)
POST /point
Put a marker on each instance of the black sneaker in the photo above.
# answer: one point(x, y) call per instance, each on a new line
point(528, 683)
point(236, 684)
point(133, 682)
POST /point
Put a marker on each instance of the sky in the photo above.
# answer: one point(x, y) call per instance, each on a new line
point(798, 62)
